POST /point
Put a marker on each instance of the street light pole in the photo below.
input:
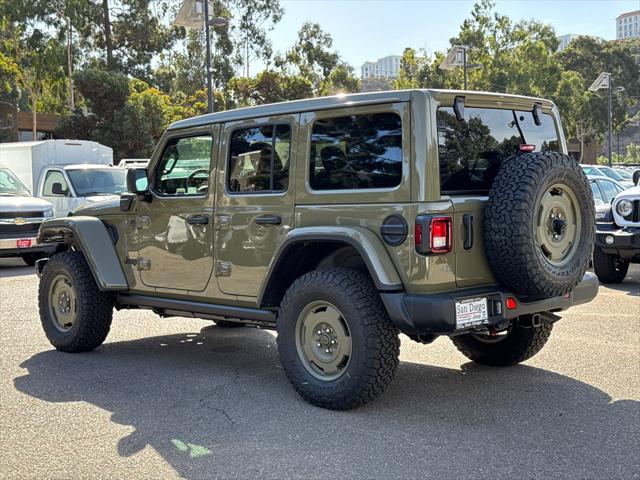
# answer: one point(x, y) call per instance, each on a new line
point(610, 115)
point(207, 35)
point(464, 65)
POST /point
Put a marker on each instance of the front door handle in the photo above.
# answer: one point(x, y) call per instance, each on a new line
point(268, 220)
point(198, 220)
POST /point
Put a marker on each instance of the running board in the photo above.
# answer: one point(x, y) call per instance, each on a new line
point(189, 308)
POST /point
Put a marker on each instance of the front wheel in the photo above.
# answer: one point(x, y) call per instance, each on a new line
point(336, 342)
point(510, 347)
point(609, 268)
point(75, 314)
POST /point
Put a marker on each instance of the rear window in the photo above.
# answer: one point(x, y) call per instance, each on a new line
point(471, 151)
point(356, 152)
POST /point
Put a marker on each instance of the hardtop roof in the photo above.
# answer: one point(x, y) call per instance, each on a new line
point(342, 100)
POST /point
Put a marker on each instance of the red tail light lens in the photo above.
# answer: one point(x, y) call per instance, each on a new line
point(440, 238)
point(525, 147)
point(511, 303)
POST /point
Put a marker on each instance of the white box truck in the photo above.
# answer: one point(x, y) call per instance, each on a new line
point(67, 173)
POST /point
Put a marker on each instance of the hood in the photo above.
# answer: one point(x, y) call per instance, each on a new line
point(99, 198)
point(100, 205)
point(23, 204)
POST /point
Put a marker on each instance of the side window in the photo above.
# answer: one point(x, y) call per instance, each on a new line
point(185, 166)
point(55, 185)
point(356, 152)
point(259, 159)
point(597, 194)
point(608, 190)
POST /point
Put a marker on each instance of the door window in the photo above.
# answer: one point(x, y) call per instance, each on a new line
point(55, 185)
point(259, 159)
point(356, 152)
point(597, 194)
point(185, 166)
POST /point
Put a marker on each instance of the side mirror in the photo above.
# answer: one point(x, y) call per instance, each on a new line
point(137, 181)
point(57, 189)
point(458, 108)
point(636, 177)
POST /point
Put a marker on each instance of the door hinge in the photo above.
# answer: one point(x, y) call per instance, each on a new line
point(223, 221)
point(142, 221)
point(144, 263)
point(223, 269)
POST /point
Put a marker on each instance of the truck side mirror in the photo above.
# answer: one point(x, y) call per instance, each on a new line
point(57, 189)
point(636, 177)
point(137, 181)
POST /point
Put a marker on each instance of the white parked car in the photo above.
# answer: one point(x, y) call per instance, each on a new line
point(20, 219)
point(617, 236)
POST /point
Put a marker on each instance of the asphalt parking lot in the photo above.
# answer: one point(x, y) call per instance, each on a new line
point(182, 398)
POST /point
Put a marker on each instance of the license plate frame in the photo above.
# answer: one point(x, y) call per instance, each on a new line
point(471, 312)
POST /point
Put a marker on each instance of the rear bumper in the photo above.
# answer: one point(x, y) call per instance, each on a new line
point(623, 242)
point(9, 247)
point(436, 313)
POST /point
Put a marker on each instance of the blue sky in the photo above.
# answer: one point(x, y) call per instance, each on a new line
point(368, 29)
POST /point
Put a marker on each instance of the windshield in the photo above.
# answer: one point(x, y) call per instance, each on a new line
point(11, 186)
point(611, 173)
point(98, 181)
point(624, 174)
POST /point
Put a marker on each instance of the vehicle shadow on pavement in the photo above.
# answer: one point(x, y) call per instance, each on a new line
point(8, 271)
point(216, 403)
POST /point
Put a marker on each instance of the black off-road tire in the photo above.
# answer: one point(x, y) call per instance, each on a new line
point(94, 309)
point(511, 216)
point(518, 345)
point(227, 324)
point(609, 268)
point(375, 342)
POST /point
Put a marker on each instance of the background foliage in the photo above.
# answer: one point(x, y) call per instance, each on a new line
point(120, 72)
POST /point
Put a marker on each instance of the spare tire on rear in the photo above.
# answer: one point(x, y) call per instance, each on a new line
point(539, 225)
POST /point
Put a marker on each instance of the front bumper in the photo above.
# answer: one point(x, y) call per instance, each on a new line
point(9, 246)
point(623, 242)
point(435, 314)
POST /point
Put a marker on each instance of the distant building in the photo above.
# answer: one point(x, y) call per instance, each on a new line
point(628, 25)
point(565, 40)
point(385, 67)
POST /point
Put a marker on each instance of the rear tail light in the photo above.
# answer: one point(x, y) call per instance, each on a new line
point(433, 234)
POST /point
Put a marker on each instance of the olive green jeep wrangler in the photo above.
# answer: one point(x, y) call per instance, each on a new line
point(340, 222)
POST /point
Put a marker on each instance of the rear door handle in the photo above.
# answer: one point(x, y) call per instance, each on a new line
point(268, 220)
point(198, 220)
point(467, 222)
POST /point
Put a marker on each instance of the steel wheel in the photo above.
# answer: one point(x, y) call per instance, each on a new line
point(63, 303)
point(323, 341)
point(558, 224)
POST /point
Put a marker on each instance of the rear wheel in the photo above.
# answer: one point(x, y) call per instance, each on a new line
point(510, 347)
point(609, 268)
point(336, 342)
point(75, 314)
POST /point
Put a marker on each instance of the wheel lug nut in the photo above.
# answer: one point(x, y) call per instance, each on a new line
point(318, 344)
point(327, 350)
point(319, 332)
point(333, 342)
